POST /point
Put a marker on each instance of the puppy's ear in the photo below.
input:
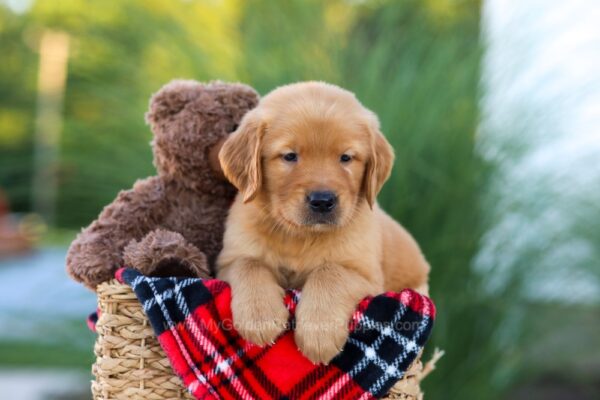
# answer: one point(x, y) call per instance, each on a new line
point(379, 165)
point(240, 155)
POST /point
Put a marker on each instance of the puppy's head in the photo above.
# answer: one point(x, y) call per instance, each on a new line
point(311, 153)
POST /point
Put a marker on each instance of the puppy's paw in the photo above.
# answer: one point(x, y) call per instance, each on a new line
point(260, 320)
point(320, 336)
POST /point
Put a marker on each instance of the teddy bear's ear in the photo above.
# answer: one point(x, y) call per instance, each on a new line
point(240, 156)
point(230, 100)
point(235, 99)
point(171, 99)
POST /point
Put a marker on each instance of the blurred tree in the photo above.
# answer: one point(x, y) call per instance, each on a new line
point(17, 105)
point(290, 41)
point(122, 53)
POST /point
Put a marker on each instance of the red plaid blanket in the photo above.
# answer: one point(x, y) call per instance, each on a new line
point(192, 320)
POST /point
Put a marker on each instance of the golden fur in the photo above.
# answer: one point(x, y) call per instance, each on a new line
point(272, 241)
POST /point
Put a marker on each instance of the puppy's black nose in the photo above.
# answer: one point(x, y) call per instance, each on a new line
point(322, 202)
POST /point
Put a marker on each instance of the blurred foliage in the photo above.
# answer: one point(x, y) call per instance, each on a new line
point(25, 354)
point(414, 62)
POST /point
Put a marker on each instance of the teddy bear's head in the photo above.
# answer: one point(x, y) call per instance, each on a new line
point(190, 121)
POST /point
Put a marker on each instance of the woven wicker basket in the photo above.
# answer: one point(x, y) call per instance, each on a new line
point(130, 363)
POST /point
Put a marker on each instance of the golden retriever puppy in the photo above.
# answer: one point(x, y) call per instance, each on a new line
point(309, 162)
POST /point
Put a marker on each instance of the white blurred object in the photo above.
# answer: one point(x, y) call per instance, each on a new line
point(37, 298)
point(43, 385)
point(540, 123)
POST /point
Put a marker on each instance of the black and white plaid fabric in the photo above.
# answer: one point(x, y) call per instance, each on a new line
point(388, 337)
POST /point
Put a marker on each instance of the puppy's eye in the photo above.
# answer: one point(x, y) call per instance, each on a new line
point(290, 157)
point(345, 158)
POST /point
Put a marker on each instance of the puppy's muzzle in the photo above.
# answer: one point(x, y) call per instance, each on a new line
point(322, 202)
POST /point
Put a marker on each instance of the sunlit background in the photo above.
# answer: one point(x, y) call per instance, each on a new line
point(493, 108)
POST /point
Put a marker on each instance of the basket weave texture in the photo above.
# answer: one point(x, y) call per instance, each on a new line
point(130, 364)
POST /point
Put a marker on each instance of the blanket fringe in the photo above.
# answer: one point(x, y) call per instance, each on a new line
point(409, 387)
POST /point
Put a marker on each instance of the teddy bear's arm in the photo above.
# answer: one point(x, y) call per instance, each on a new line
point(166, 253)
point(96, 253)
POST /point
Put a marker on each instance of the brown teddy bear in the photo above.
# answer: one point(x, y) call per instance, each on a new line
point(172, 223)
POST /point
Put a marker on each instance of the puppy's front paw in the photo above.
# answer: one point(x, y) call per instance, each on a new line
point(320, 336)
point(259, 320)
